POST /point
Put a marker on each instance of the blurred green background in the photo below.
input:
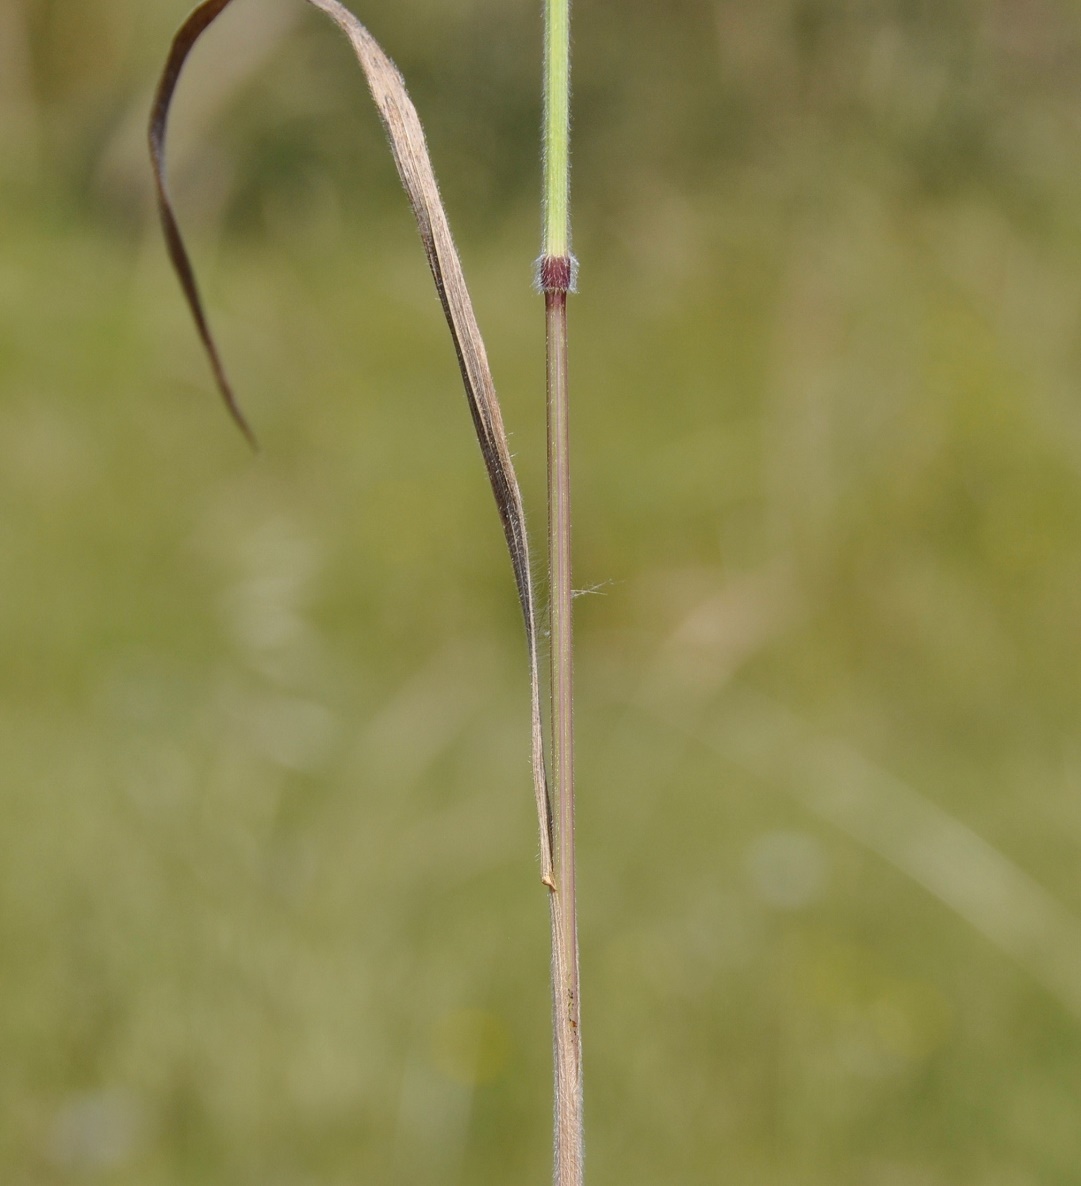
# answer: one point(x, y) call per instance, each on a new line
point(269, 905)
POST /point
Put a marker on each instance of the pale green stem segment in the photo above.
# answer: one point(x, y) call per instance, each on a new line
point(557, 77)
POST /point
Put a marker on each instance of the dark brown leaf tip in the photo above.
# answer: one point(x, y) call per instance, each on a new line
point(185, 39)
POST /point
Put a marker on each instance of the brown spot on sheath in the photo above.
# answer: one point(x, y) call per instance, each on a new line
point(556, 273)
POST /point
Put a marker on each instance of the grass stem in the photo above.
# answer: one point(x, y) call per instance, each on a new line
point(557, 129)
point(568, 1053)
point(556, 280)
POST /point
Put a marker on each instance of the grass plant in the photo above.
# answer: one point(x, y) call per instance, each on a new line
point(556, 270)
point(833, 477)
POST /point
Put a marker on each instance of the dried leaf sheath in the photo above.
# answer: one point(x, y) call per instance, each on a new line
point(410, 152)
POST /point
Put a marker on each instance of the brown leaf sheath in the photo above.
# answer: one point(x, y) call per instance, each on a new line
point(410, 151)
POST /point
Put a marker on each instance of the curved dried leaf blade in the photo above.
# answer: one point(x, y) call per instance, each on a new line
point(410, 151)
point(187, 35)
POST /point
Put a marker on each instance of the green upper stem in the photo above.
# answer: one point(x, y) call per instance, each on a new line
point(557, 130)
